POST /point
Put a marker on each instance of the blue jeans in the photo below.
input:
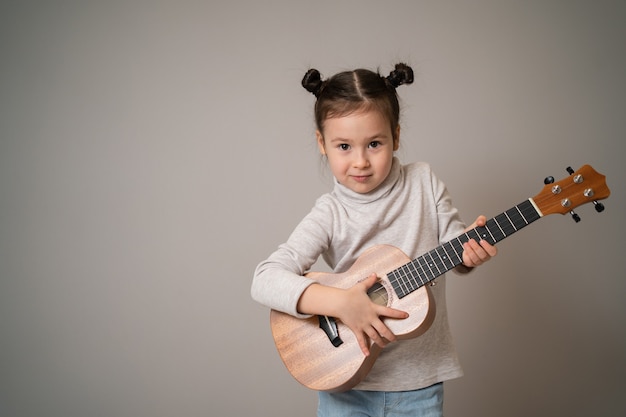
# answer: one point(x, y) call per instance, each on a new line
point(425, 402)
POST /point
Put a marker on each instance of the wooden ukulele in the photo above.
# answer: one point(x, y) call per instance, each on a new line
point(323, 354)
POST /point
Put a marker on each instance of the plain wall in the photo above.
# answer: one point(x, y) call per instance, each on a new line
point(152, 153)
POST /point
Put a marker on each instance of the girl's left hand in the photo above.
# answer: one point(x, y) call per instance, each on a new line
point(475, 253)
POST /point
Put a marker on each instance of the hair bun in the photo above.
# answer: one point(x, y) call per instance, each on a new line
point(402, 74)
point(312, 82)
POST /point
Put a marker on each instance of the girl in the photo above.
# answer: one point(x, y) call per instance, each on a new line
point(375, 200)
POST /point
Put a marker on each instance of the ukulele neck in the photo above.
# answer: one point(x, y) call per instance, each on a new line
point(426, 268)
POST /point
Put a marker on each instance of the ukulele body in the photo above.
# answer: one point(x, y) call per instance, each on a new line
point(307, 351)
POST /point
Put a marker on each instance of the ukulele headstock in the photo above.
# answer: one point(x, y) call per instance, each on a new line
point(581, 187)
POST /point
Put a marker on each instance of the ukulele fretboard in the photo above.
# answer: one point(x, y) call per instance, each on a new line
point(424, 269)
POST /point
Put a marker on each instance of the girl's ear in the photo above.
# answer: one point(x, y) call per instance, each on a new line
point(320, 142)
point(396, 139)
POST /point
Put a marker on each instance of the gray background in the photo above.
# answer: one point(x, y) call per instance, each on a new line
point(152, 153)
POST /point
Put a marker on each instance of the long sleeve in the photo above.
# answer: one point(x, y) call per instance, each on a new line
point(279, 281)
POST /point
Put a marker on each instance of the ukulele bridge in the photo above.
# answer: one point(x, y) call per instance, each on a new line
point(329, 325)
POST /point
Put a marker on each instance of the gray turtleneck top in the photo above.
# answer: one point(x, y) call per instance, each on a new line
point(410, 210)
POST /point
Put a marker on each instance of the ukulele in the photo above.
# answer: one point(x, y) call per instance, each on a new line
point(323, 354)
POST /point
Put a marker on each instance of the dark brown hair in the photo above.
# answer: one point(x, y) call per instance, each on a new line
point(351, 91)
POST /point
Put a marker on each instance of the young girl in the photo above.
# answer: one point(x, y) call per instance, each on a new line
point(375, 200)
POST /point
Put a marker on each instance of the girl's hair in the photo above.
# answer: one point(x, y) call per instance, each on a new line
point(359, 90)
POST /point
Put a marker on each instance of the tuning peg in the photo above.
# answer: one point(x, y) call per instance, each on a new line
point(575, 216)
point(548, 180)
point(598, 206)
point(569, 170)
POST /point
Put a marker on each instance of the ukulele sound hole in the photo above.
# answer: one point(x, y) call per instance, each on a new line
point(378, 294)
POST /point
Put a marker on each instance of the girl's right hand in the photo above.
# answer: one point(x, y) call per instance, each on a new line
point(354, 308)
point(363, 316)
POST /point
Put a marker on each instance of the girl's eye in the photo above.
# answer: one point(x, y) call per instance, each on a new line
point(375, 144)
point(344, 146)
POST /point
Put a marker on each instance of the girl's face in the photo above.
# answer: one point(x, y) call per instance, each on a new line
point(359, 148)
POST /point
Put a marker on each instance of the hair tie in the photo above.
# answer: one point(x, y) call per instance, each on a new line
point(393, 81)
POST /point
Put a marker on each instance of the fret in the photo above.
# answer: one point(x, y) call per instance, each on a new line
point(428, 273)
point(446, 257)
point(496, 231)
point(409, 282)
point(414, 273)
point(511, 224)
point(399, 284)
point(433, 264)
point(504, 224)
point(421, 272)
point(473, 234)
point(531, 213)
point(443, 259)
point(493, 239)
point(456, 259)
point(482, 234)
point(463, 239)
point(395, 284)
point(457, 245)
point(519, 215)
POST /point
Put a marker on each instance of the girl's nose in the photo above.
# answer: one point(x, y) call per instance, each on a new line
point(361, 160)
